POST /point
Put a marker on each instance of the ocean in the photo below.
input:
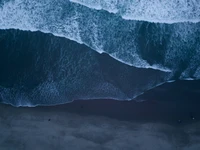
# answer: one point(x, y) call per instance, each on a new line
point(100, 74)
point(55, 52)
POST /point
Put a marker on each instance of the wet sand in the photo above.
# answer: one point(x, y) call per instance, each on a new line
point(167, 103)
point(167, 120)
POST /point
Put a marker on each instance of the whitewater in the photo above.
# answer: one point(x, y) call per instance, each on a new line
point(152, 42)
point(109, 33)
point(157, 11)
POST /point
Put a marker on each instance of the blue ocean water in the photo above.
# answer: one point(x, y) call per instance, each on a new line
point(53, 52)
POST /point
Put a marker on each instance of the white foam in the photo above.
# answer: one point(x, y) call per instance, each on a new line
point(197, 73)
point(172, 11)
point(171, 81)
point(189, 79)
point(103, 36)
point(109, 5)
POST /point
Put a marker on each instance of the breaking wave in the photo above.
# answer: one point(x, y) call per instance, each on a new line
point(152, 42)
point(157, 11)
point(131, 42)
point(41, 69)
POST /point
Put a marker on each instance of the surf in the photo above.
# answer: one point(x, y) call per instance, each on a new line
point(104, 32)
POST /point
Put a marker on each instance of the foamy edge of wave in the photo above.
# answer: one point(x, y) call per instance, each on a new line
point(28, 104)
point(175, 21)
point(161, 21)
point(154, 67)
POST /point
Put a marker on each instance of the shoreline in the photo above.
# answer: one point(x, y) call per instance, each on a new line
point(108, 124)
point(59, 127)
point(167, 103)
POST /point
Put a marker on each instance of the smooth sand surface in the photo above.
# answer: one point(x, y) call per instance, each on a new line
point(43, 128)
point(108, 124)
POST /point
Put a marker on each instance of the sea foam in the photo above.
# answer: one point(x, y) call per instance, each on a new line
point(157, 11)
point(129, 41)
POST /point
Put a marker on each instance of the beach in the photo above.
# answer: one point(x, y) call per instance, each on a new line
point(153, 124)
point(99, 75)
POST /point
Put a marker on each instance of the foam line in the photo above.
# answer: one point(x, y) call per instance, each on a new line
point(156, 11)
point(103, 32)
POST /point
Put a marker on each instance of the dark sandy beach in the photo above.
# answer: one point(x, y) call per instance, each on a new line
point(75, 59)
point(164, 121)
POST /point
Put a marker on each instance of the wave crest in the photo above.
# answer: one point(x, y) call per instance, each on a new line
point(157, 11)
point(141, 44)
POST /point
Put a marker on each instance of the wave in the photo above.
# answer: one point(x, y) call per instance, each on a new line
point(58, 70)
point(156, 11)
point(140, 44)
point(41, 69)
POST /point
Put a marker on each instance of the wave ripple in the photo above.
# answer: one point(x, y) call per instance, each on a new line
point(171, 11)
point(140, 44)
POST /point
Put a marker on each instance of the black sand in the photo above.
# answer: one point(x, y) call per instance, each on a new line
point(168, 119)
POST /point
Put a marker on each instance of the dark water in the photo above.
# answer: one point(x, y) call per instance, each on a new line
point(116, 52)
point(166, 38)
point(115, 74)
point(41, 69)
point(167, 103)
point(38, 68)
